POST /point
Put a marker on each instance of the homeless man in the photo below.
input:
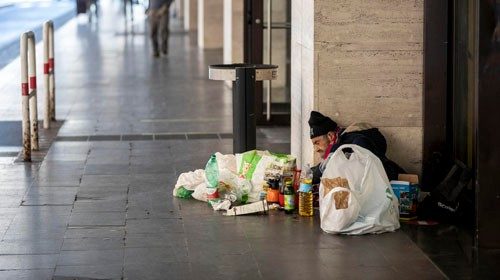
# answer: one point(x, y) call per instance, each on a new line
point(327, 137)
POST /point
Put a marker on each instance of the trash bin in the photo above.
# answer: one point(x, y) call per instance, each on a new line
point(244, 77)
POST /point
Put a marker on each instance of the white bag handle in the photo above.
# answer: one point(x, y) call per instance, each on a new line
point(357, 149)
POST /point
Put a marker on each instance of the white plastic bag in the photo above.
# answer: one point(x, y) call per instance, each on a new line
point(335, 219)
point(226, 162)
point(190, 180)
point(370, 206)
point(200, 192)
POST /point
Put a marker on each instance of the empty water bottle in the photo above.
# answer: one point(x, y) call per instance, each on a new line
point(212, 178)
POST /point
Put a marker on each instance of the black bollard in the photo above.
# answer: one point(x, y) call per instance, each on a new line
point(244, 121)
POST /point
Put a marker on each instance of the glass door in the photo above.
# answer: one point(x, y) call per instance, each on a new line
point(464, 79)
point(268, 41)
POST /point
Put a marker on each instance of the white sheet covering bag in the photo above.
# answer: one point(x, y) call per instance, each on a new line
point(355, 196)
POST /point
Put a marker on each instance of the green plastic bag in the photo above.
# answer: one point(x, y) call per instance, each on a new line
point(183, 193)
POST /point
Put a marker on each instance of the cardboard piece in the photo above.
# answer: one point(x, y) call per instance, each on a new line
point(256, 207)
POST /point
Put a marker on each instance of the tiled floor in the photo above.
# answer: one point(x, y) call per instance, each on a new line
point(103, 207)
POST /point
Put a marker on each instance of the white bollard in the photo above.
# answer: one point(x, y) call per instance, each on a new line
point(26, 152)
point(33, 97)
point(48, 72)
point(28, 91)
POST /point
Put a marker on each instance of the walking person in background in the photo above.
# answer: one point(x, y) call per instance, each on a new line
point(158, 13)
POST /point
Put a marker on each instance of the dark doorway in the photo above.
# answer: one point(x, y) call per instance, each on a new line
point(461, 97)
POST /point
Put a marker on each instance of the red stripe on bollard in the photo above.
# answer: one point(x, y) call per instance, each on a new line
point(33, 82)
point(24, 89)
point(51, 64)
point(46, 68)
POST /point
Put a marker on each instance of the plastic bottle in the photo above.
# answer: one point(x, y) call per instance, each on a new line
point(281, 196)
point(296, 184)
point(289, 197)
point(212, 178)
point(273, 192)
point(263, 193)
point(305, 193)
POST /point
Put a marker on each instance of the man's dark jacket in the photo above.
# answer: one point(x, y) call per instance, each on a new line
point(370, 139)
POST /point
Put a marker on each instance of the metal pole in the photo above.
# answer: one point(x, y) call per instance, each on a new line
point(46, 118)
point(32, 85)
point(244, 119)
point(269, 51)
point(131, 10)
point(26, 152)
point(52, 75)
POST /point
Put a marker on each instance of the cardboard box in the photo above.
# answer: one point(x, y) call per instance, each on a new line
point(406, 190)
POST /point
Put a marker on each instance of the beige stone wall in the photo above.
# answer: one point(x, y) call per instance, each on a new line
point(368, 67)
point(190, 8)
point(179, 9)
point(302, 79)
point(210, 24)
point(233, 31)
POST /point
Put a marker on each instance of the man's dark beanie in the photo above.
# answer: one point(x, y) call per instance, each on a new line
point(320, 124)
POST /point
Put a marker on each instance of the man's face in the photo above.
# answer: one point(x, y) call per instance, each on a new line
point(321, 144)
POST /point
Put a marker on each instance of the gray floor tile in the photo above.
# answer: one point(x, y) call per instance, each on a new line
point(8, 212)
point(24, 247)
point(105, 180)
point(102, 194)
point(34, 233)
point(98, 219)
point(233, 266)
point(93, 243)
point(42, 220)
point(362, 272)
point(154, 226)
point(79, 258)
point(56, 199)
point(10, 201)
point(158, 271)
point(167, 254)
point(23, 262)
point(107, 169)
point(99, 206)
point(89, 232)
point(65, 157)
point(148, 240)
point(88, 272)
point(31, 274)
point(33, 211)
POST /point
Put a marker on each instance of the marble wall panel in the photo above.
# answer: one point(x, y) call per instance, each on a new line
point(370, 69)
point(357, 60)
point(210, 24)
point(233, 31)
point(190, 8)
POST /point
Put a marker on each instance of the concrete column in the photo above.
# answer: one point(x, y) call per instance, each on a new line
point(190, 8)
point(179, 6)
point(302, 79)
point(210, 24)
point(233, 31)
point(359, 61)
